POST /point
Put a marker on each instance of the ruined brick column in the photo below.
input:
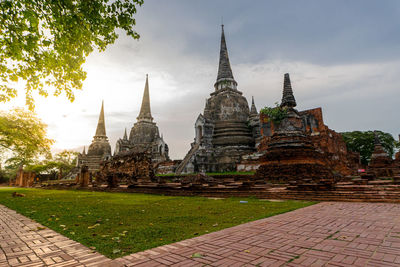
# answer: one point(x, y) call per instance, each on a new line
point(290, 156)
point(20, 176)
point(84, 176)
point(380, 165)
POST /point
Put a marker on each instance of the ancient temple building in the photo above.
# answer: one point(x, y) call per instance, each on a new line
point(397, 158)
point(99, 149)
point(226, 130)
point(380, 165)
point(324, 139)
point(254, 122)
point(290, 155)
point(144, 135)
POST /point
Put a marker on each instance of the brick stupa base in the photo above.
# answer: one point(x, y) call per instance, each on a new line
point(294, 159)
point(290, 155)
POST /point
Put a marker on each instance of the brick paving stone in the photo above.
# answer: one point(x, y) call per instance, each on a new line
point(326, 234)
point(24, 244)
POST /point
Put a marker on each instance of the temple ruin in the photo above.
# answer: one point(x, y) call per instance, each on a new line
point(99, 149)
point(144, 135)
point(290, 155)
point(324, 139)
point(226, 130)
point(381, 164)
point(128, 167)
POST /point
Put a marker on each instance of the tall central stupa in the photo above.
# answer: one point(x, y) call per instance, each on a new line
point(144, 135)
point(223, 133)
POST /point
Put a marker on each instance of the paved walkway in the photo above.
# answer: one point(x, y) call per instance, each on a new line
point(326, 234)
point(24, 242)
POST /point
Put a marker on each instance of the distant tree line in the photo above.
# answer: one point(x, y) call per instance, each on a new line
point(363, 143)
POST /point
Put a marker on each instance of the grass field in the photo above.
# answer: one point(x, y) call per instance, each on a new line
point(118, 224)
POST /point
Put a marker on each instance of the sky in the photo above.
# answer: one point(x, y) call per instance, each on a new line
point(343, 56)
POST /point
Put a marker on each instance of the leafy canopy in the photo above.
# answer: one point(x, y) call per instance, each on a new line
point(363, 142)
point(22, 137)
point(45, 42)
point(59, 165)
point(276, 114)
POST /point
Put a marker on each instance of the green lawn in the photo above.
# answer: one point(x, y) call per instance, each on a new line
point(118, 224)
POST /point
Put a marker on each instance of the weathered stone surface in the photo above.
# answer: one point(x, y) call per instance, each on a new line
point(397, 157)
point(226, 130)
point(381, 165)
point(325, 140)
point(167, 167)
point(330, 143)
point(99, 149)
point(287, 96)
point(128, 167)
point(144, 134)
point(84, 176)
point(23, 178)
point(290, 154)
point(397, 161)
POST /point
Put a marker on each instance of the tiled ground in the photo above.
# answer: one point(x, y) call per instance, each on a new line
point(326, 234)
point(24, 242)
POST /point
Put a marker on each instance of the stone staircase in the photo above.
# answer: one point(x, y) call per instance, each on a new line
point(93, 163)
point(188, 156)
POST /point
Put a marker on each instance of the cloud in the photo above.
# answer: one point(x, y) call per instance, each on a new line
point(342, 56)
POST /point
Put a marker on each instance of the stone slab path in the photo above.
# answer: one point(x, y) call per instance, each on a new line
point(326, 234)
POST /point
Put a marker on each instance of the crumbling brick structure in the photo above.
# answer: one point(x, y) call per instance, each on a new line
point(127, 167)
point(24, 179)
point(381, 165)
point(84, 176)
point(397, 159)
point(325, 140)
point(290, 155)
point(167, 167)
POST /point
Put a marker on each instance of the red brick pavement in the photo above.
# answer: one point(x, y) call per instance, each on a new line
point(326, 234)
point(24, 242)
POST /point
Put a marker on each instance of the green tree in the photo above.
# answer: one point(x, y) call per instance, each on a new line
point(59, 165)
point(363, 143)
point(45, 42)
point(275, 114)
point(22, 137)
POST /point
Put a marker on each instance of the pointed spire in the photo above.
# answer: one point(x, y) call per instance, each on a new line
point(84, 150)
point(125, 135)
point(288, 97)
point(253, 109)
point(145, 112)
point(377, 141)
point(379, 150)
point(101, 126)
point(224, 68)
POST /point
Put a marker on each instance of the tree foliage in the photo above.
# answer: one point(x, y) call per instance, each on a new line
point(363, 142)
point(22, 137)
point(45, 42)
point(59, 165)
point(276, 114)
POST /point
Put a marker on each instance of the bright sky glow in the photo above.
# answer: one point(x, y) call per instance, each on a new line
point(342, 56)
